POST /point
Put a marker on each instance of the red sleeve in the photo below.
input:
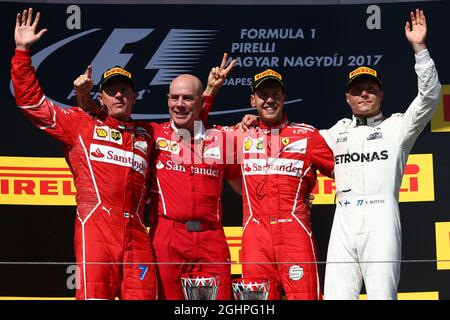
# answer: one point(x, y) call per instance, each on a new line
point(27, 90)
point(321, 155)
point(62, 124)
point(207, 107)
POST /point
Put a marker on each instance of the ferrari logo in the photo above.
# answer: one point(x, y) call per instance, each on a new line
point(285, 141)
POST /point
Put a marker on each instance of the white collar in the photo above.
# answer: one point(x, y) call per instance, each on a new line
point(199, 129)
point(370, 121)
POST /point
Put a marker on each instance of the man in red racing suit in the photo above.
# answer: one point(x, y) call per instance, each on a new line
point(280, 159)
point(187, 231)
point(109, 162)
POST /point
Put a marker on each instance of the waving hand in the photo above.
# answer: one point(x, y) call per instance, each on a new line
point(25, 32)
point(416, 31)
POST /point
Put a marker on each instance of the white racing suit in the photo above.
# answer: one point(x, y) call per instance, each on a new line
point(365, 240)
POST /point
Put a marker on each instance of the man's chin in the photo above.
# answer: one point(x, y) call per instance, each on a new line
point(366, 113)
point(269, 118)
point(181, 122)
point(123, 116)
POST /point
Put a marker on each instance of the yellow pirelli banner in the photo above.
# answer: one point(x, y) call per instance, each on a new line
point(441, 119)
point(36, 181)
point(48, 181)
point(234, 240)
point(443, 245)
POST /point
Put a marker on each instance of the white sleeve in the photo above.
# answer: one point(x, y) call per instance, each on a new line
point(421, 110)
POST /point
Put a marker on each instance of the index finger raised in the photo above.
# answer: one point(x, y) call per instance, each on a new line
point(224, 61)
point(88, 72)
point(232, 64)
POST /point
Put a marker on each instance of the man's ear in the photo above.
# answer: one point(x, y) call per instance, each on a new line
point(346, 98)
point(100, 100)
point(252, 101)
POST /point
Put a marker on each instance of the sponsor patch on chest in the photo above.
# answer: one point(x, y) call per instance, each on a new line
point(141, 145)
point(254, 145)
point(105, 133)
point(375, 135)
point(298, 146)
point(270, 166)
point(167, 145)
point(118, 157)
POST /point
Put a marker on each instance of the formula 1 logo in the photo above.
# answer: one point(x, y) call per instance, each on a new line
point(179, 52)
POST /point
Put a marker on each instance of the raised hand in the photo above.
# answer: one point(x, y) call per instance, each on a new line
point(217, 76)
point(84, 84)
point(25, 32)
point(416, 31)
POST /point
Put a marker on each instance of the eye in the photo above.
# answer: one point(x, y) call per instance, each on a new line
point(276, 97)
point(372, 90)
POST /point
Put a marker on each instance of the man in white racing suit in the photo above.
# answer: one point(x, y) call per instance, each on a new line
point(370, 153)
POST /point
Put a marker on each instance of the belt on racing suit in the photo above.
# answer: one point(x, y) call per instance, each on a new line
point(195, 225)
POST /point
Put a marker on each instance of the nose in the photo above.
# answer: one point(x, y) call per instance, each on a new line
point(180, 102)
point(270, 100)
point(364, 92)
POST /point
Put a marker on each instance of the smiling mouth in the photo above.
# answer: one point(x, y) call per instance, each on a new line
point(180, 113)
point(270, 108)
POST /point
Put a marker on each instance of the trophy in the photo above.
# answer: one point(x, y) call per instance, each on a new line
point(199, 286)
point(251, 289)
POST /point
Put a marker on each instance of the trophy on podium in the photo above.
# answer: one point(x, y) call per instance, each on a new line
point(199, 286)
point(251, 289)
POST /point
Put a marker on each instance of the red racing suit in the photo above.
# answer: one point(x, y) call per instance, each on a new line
point(109, 163)
point(279, 170)
point(187, 232)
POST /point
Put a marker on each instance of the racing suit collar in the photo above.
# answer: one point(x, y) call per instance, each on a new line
point(113, 122)
point(199, 131)
point(280, 124)
point(370, 121)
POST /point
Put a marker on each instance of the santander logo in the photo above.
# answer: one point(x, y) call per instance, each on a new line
point(279, 166)
point(97, 153)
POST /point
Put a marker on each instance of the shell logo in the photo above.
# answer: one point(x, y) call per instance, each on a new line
point(248, 144)
point(162, 144)
point(102, 133)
